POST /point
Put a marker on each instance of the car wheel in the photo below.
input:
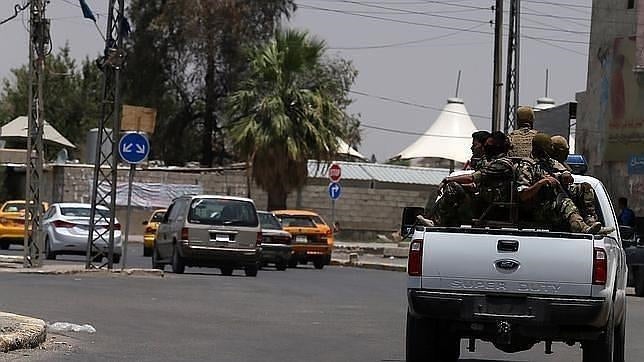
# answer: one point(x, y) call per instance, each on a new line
point(116, 258)
point(227, 271)
point(178, 266)
point(602, 349)
point(281, 265)
point(4, 245)
point(49, 254)
point(147, 251)
point(156, 264)
point(251, 270)
point(318, 263)
point(292, 263)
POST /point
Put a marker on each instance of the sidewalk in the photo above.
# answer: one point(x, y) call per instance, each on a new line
point(382, 256)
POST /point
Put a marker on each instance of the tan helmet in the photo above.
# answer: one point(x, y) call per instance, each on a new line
point(542, 141)
point(560, 148)
point(525, 114)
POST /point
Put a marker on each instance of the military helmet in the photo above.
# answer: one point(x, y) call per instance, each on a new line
point(559, 143)
point(560, 148)
point(542, 141)
point(525, 114)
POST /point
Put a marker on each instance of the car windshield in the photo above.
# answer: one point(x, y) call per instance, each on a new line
point(223, 212)
point(297, 221)
point(269, 221)
point(158, 216)
point(82, 212)
point(14, 207)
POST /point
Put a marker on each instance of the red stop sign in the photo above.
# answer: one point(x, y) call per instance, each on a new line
point(335, 172)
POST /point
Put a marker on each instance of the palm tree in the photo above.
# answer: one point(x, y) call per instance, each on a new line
point(281, 118)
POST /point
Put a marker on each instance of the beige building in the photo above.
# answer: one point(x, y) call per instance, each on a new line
point(610, 116)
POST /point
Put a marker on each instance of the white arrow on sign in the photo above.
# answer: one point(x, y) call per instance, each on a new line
point(140, 149)
point(335, 189)
point(127, 148)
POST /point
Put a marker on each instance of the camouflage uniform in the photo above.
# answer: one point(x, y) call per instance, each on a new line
point(582, 194)
point(456, 205)
point(521, 140)
point(477, 163)
point(553, 206)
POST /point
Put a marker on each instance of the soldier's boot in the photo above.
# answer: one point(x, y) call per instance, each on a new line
point(606, 230)
point(424, 221)
point(577, 225)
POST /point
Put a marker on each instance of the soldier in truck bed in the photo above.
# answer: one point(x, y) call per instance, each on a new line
point(478, 159)
point(541, 189)
point(521, 138)
point(582, 194)
point(492, 183)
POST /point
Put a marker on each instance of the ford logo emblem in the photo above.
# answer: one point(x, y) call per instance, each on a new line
point(507, 264)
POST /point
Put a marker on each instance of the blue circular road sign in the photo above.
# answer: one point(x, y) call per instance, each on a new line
point(335, 190)
point(134, 147)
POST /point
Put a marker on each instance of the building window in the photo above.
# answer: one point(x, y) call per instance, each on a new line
point(631, 4)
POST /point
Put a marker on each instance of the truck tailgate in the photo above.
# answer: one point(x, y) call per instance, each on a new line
point(500, 261)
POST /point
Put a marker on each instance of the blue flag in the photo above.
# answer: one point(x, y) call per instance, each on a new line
point(87, 12)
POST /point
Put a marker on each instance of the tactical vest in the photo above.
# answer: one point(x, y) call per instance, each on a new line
point(521, 140)
point(496, 180)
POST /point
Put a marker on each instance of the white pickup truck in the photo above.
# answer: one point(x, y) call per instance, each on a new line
point(515, 287)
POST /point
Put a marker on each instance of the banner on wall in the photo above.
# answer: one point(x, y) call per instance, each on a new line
point(150, 195)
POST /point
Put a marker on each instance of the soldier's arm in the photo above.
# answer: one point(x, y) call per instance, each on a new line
point(529, 193)
point(461, 179)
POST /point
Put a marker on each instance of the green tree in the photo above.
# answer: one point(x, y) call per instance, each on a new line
point(185, 57)
point(71, 93)
point(281, 116)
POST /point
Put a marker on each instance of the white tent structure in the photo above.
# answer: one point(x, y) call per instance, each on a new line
point(346, 150)
point(449, 137)
point(18, 129)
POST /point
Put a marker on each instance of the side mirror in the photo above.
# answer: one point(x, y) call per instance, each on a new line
point(409, 220)
point(144, 223)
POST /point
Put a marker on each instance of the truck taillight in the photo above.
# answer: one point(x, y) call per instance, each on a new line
point(149, 230)
point(415, 260)
point(260, 238)
point(600, 267)
point(184, 234)
point(117, 226)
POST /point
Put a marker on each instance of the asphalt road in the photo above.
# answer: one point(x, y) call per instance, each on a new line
point(336, 314)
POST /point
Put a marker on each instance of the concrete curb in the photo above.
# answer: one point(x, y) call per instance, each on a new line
point(77, 269)
point(369, 265)
point(20, 332)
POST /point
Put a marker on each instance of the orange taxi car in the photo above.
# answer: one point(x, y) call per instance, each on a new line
point(150, 232)
point(12, 223)
point(312, 237)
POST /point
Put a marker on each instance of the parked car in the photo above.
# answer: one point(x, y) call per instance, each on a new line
point(276, 244)
point(312, 237)
point(12, 223)
point(209, 231)
point(151, 226)
point(66, 230)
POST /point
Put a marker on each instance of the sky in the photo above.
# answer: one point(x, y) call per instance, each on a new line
point(408, 54)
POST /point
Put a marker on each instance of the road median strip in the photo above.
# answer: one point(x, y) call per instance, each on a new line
point(20, 332)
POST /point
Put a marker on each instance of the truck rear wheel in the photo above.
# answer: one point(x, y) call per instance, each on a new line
point(602, 349)
point(425, 339)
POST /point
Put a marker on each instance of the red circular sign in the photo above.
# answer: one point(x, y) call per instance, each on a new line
point(335, 172)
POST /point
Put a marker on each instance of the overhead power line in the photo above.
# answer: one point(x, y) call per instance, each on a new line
point(412, 104)
point(411, 133)
point(17, 9)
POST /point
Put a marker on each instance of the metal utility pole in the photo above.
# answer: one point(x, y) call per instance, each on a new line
point(512, 76)
point(38, 42)
point(100, 242)
point(497, 86)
